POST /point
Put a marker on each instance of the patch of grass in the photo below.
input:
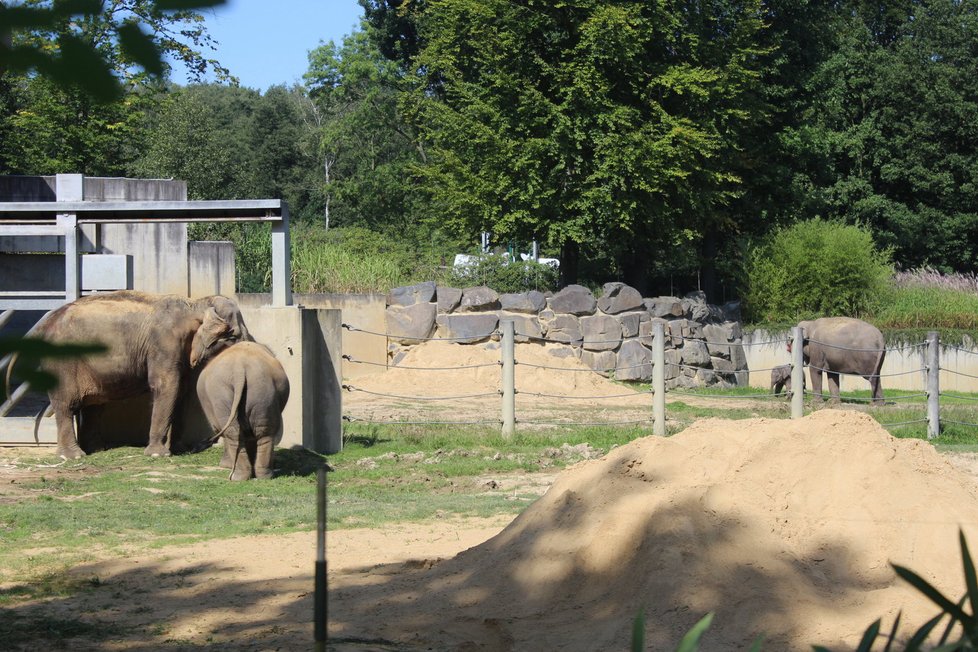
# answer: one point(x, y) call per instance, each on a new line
point(17, 629)
point(927, 307)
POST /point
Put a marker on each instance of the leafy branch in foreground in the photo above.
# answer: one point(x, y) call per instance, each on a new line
point(27, 354)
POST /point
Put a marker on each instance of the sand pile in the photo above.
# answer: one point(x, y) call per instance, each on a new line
point(779, 526)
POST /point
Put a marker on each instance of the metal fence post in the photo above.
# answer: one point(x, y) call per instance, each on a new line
point(658, 379)
point(797, 373)
point(508, 353)
point(933, 367)
point(320, 601)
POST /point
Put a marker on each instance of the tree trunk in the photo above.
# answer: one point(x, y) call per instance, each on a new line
point(569, 263)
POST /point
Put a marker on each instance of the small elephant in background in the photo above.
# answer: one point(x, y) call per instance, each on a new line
point(243, 390)
point(781, 378)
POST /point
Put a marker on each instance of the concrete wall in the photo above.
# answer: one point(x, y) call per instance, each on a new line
point(365, 311)
point(211, 269)
point(902, 367)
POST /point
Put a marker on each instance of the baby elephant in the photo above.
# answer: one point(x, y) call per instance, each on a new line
point(781, 377)
point(243, 391)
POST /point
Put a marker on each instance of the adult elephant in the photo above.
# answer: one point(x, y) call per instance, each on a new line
point(149, 338)
point(842, 345)
point(243, 391)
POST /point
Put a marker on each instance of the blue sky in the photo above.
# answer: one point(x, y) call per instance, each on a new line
point(265, 43)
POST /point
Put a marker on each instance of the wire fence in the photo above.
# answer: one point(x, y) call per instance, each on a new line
point(570, 405)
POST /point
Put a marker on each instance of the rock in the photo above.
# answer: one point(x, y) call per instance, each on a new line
point(448, 299)
point(528, 329)
point(731, 311)
point(478, 299)
point(603, 362)
point(694, 353)
point(600, 332)
point(564, 352)
point(573, 300)
point(412, 294)
point(564, 328)
point(630, 323)
point(686, 328)
point(717, 340)
point(668, 307)
point(618, 297)
point(634, 362)
point(410, 324)
point(468, 328)
point(646, 328)
point(531, 302)
point(673, 360)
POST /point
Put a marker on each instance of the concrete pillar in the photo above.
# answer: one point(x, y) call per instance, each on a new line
point(281, 256)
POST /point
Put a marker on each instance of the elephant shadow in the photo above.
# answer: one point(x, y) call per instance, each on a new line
point(298, 462)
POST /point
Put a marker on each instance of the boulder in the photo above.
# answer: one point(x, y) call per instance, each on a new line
point(565, 329)
point(618, 297)
point(468, 328)
point(646, 328)
point(630, 323)
point(531, 302)
point(694, 353)
point(528, 328)
point(673, 360)
point(686, 328)
point(603, 362)
point(412, 294)
point(717, 339)
point(478, 299)
point(564, 352)
point(448, 299)
point(731, 311)
point(668, 307)
point(410, 324)
point(634, 362)
point(573, 300)
point(600, 332)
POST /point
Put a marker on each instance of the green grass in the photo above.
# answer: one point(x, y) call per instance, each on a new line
point(931, 308)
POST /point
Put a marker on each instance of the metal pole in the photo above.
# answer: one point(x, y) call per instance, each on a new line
point(320, 609)
point(658, 379)
point(508, 353)
point(797, 373)
point(933, 367)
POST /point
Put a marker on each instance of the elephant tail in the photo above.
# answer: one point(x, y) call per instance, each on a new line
point(239, 390)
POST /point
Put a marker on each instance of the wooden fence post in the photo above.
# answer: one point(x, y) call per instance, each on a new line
point(508, 353)
point(933, 366)
point(797, 373)
point(658, 379)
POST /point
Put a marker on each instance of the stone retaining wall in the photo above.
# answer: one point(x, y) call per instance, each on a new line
point(611, 333)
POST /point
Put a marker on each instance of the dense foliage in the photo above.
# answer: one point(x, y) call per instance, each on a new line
point(816, 268)
point(636, 141)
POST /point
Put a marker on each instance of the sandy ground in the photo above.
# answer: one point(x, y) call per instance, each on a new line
point(786, 527)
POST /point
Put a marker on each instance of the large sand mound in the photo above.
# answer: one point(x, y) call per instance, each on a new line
point(781, 527)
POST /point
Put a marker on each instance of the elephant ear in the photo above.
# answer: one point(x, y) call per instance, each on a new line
point(213, 330)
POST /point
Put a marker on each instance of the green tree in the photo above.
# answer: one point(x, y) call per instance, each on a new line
point(604, 129)
point(367, 149)
point(894, 144)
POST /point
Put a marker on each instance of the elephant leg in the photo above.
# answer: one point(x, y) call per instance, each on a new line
point(264, 456)
point(64, 417)
point(165, 394)
point(834, 386)
point(877, 387)
point(816, 377)
point(243, 466)
point(227, 459)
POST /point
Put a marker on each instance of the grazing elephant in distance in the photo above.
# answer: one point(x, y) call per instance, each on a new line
point(842, 345)
point(243, 391)
point(781, 378)
point(149, 340)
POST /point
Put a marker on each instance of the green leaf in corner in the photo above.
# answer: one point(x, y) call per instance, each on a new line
point(922, 585)
point(638, 631)
point(691, 641)
point(869, 637)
